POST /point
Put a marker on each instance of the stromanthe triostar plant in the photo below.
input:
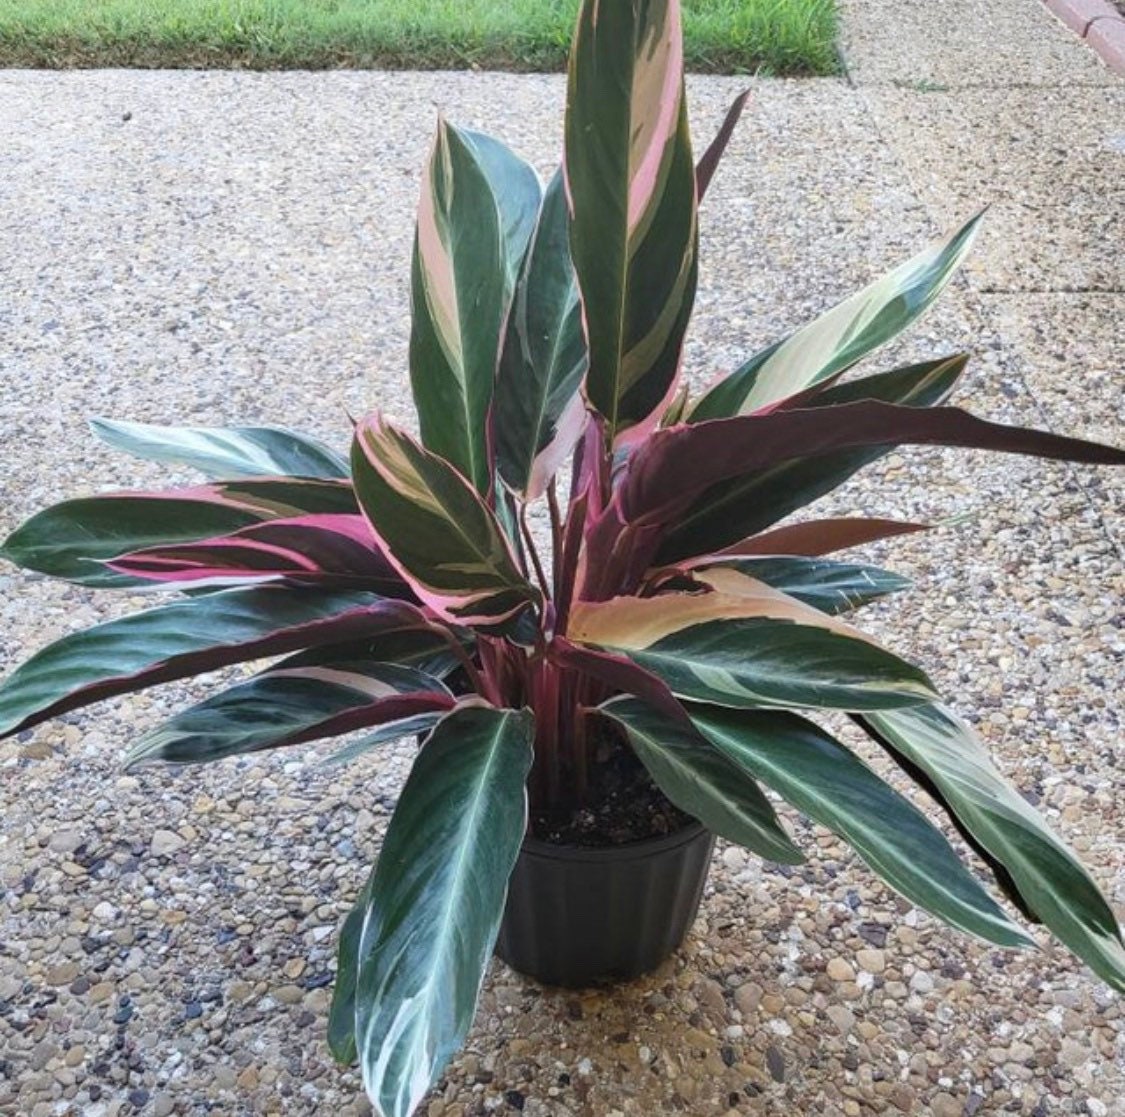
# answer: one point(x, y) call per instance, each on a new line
point(681, 617)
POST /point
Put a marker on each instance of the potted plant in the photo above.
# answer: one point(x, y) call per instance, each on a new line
point(610, 710)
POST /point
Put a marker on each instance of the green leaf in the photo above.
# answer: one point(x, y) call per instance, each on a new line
point(758, 649)
point(631, 184)
point(477, 210)
point(73, 539)
point(436, 530)
point(426, 649)
point(844, 335)
point(417, 726)
point(538, 414)
point(831, 587)
point(188, 637)
point(702, 782)
point(1048, 876)
point(732, 510)
point(225, 452)
point(433, 908)
point(820, 777)
point(288, 706)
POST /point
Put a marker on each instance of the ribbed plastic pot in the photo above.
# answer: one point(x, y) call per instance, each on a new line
point(580, 916)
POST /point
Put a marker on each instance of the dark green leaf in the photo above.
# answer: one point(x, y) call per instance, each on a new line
point(1049, 877)
point(433, 908)
point(185, 638)
point(288, 706)
point(702, 782)
point(477, 210)
point(833, 787)
point(538, 414)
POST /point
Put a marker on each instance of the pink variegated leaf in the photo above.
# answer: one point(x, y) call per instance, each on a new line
point(289, 706)
point(619, 675)
point(73, 539)
point(477, 210)
point(631, 186)
point(696, 479)
point(187, 637)
point(329, 550)
point(747, 645)
point(436, 530)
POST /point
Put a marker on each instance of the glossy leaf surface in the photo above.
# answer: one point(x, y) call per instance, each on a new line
point(225, 452)
point(701, 781)
point(757, 650)
point(703, 479)
point(73, 539)
point(436, 530)
point(432, 912)
point(844, 335)
point(1048, 876)
point(820, 777)
point(631, 184)
point(538, 413)
point(831, 587)
point(319, 550)
point(185, 638)
point(477, 209)
point(288, 706)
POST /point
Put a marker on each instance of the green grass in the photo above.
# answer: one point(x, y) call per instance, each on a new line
point(721, 36)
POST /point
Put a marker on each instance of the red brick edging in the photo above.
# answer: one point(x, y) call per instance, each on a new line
point(1101, 25)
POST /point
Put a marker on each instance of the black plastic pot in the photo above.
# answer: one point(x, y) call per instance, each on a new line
point(582, 916)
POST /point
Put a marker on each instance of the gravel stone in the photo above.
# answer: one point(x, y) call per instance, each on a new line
point(165, 842)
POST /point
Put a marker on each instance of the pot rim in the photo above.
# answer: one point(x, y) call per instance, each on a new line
point(626, 851)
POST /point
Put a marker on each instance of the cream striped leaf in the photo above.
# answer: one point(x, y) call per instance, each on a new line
point(750, 646)
point(836, 340)
point(477, 210)
point(1047, 876)
point(435, 529)
point(432, 910)
point(814, 772)
point(631, 184)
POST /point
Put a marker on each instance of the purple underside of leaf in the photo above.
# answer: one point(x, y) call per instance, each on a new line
point(327, 548)
point(187, 638)
point(709, 160)
point(670, 472)
point(622, 675)
point(816, 537)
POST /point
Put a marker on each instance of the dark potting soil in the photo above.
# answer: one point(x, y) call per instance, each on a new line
point(624, 805)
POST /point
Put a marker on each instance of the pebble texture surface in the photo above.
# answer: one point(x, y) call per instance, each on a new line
point(216, 248)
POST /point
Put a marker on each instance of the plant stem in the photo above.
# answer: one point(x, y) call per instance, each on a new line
point(475, 680)
point(531, 550)
point(556, 527)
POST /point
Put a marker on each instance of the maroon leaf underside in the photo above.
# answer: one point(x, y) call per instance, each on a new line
point(362, 623)
point(379, 712)
point(812, 538)
point(324, 549)
point(673, 471)
point(709, 160)
point(620, 675)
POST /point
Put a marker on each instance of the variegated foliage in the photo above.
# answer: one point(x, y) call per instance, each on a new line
point(682, 618)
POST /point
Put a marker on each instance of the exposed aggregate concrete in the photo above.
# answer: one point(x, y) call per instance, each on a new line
point(237, 250)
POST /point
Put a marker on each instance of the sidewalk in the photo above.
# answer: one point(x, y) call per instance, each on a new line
point(999, 104)
point(216, 247)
